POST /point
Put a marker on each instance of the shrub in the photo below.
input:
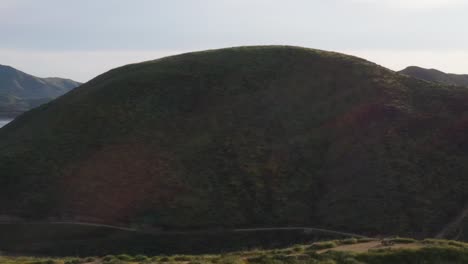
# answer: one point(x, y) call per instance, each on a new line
point(403, 240)
point(427, 255)
point(48, 261)
point(108, 258)
point(349, 241)
point(141, 258)
point(287, 251)
point(365, 239)
point(456, 244)
point(231, 260)
point(74, 261)
point(182, 258)
point(322, 245)
point(164, 259)
point(264, 259)
point(124, 257)
point(445, 243)
point(297, 249)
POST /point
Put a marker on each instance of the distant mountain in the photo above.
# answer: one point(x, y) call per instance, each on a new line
point(437, 76)
point(245, 137)
point(20, 91)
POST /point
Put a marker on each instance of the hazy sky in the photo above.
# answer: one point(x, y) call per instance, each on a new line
point(80, 39)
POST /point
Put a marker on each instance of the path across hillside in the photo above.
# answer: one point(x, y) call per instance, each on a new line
point(155, 231)
point(453, 225)
point(372, 245)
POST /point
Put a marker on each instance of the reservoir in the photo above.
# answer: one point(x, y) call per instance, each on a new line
point(4, 121)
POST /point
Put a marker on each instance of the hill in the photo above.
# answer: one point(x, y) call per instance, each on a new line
point(20, 92)
point(433, 75)
point(244, 137)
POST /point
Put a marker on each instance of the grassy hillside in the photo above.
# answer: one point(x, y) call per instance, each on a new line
point(404, 251)
point(433, 75)
point(244, 137)
point(20, 92)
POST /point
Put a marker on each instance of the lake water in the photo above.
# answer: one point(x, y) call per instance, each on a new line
point(4, 121)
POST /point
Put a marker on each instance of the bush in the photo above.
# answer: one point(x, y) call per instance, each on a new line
point(264, 259)
point(182, 258)
point(287, 251)
point(231, 260)
point(365, 239)
point(141, 258)
point(297, 249)
point(457, 244)
point(427, 255)
point(108, 258)
point(445, 243)
point(48, 261)
point(403, 240)
point(349, 241)
point(322, 245)
point(74, 261)
point(124, 257)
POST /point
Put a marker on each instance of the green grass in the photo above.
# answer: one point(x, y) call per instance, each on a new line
point(323, 245)
point(403, 240)
point(434, 252)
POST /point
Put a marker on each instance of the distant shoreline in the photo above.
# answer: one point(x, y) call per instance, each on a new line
point(5, 121)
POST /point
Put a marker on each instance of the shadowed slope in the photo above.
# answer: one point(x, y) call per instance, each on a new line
point(433, 75)
point(20, 92)
point(244, 137)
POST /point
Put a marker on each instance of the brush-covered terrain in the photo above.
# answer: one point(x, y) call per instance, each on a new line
point(20, 91)
point(433, 75)
point(244, 137)
point(348, 251)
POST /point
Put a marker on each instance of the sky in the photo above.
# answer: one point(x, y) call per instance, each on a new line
point(82, 39)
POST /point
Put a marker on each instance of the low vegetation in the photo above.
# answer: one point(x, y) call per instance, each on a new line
point(431, 251)
point(245, 137)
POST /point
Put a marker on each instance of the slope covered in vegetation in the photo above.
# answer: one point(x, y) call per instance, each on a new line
point(402, 251)
point(20, 91)
point(433, 75)
point(244, 137)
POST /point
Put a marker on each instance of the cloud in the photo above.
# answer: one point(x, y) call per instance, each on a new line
point(4, 4)
point(76, 65)
point(414, 4)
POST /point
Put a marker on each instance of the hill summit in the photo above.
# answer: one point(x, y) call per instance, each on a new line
point(244, 137)
point(433, 75)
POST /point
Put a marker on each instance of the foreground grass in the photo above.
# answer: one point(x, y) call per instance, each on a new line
point(431, 251)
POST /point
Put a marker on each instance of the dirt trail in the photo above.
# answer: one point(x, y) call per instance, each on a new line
point(453, 225)
point(154, 231)
point(305, 229)
point(365, 247)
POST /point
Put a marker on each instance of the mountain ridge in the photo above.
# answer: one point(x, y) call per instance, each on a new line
point(434, 75)
point(20, 91)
